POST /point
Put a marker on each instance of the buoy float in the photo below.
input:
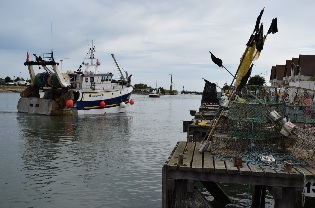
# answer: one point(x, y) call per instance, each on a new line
point(122, 104)
point(69, 103)
point(131, 102)
point(102, 104)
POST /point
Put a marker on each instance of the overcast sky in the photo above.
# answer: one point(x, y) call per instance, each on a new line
point(153, 39)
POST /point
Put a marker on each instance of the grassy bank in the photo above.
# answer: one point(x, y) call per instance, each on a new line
point(12, 88)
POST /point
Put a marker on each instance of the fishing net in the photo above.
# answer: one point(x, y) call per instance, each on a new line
point(46, 80)
point(246, 129)
point(304, 146)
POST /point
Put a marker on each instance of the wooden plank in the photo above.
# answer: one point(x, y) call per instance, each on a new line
point(245, 170)
point(287, 198)
point(295, 174)
point(230, 167)
point(291, 172)
point(310, 169)
point(269, 171)
point(197, 160)
point(288, 172)
point(208, 162)
point(256, 170)
point(301, 169)
point(188, 156)
point(170, 156)
point(174, 158)
point(190, 186)
point(219, 166)
point(258, 196)
point(164, 187)
point(283, 174)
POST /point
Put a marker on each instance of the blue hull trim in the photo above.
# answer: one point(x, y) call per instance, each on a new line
point(86, 105)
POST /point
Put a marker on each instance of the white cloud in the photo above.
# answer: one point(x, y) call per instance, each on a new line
point(152, 39)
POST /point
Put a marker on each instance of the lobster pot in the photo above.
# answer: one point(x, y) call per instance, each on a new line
point(254, 112)
point(232, 147)
point(226, 146)
point(249, 130)
point(300, 114)
point(279, 107)
point(263, 93)
point(304, 146)
point(304, 156)
point(251, 120)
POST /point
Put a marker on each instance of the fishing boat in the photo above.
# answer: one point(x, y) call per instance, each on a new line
point(155, 93)
point(74, 93)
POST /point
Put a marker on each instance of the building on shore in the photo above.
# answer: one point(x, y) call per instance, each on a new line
point(297, 72)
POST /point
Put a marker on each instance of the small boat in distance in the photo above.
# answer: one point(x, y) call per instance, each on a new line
point(155, 93)
point(74, 93)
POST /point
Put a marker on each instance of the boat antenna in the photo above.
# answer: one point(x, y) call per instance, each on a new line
point(121, 74)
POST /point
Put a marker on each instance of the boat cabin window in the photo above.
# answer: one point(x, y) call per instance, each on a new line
point(106, 78)
point(91, 79)
point(73, 77)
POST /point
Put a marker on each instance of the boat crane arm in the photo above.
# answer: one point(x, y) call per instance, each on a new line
point(41, 61)
point(121, 74)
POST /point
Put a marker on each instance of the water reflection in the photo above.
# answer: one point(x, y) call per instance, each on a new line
point(92, 161)
point(73, 128)
point(65, 153)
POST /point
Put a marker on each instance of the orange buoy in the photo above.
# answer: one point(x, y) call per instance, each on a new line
point(131, 102)
point(69, 103)
point(102, 104)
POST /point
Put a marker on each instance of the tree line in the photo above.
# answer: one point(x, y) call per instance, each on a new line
point(8, 79)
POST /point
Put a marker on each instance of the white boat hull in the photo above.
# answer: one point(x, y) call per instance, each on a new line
point(88, 103)
point(42, 106)
point(154, 95)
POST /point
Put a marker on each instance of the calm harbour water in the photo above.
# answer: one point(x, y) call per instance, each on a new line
point(93, 161)
point(89, 161)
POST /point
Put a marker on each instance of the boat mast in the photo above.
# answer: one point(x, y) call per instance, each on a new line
point(92, 57)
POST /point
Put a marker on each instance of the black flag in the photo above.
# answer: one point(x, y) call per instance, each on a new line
point(258, 20)
point(273, 26)
point(245, 78)
point(260, 38)
point(216, 60)
point(251, 40)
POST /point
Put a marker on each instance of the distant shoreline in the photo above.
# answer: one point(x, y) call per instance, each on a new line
point(140, 93)
point(17, 89)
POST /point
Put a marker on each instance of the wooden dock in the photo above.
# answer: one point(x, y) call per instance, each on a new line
point(186, 166)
